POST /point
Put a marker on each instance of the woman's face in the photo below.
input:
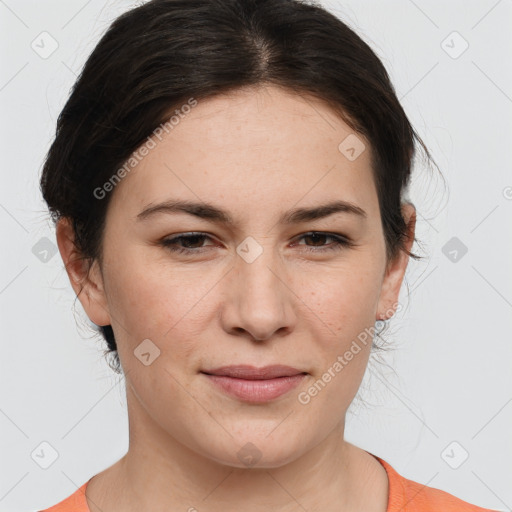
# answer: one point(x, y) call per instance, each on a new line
point(257, 290)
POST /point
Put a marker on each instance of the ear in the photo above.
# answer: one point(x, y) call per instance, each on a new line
point(87, 283)
point(395, 270)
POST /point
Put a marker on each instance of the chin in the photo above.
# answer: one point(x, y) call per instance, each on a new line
point(258, 450)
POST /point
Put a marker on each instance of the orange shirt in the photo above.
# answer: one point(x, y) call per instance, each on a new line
point(404, 496)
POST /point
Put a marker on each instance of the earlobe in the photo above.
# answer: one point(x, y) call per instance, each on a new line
point(395, 270)
point(86, 283)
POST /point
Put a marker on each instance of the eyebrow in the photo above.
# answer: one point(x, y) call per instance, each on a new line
point(214, 214)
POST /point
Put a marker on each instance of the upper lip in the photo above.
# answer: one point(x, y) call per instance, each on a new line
point(253, 373)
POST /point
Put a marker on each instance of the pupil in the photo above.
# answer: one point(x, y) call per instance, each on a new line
point(316, 236)
point(190, 239)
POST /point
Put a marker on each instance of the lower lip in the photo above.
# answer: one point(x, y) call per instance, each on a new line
point(256, 390)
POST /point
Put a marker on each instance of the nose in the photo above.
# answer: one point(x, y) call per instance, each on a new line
point(258, 297)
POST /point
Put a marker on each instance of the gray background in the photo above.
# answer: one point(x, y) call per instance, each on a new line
point(452, 378)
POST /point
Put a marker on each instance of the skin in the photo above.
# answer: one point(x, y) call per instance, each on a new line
point(255, 153)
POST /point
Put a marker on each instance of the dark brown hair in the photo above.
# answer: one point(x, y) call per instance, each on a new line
point(155, 57)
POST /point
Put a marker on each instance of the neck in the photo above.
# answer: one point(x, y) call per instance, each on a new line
point(159, 472)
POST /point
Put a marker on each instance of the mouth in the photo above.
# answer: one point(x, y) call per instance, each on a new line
point(255, 385)
point(249, 372)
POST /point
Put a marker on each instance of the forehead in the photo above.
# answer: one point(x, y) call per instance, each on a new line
point(255, 150)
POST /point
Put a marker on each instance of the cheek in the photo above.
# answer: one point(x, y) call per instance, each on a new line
point(347, 307)
point(345, 299)
point(168, 305)
point(344, 303)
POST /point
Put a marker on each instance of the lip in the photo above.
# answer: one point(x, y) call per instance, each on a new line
point(252, 384)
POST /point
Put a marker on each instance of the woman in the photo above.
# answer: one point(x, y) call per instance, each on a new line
point(228, 182)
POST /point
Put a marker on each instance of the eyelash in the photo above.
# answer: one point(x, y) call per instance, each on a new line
point(340, 243)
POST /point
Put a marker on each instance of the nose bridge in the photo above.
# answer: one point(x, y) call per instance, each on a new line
point(258, 267)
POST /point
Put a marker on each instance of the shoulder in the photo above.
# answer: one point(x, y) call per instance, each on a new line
point(74, 503)
point(409, 496)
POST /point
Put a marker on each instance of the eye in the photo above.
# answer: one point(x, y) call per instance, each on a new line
point(340, 241)
point(189, 239)
point(193, 242)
